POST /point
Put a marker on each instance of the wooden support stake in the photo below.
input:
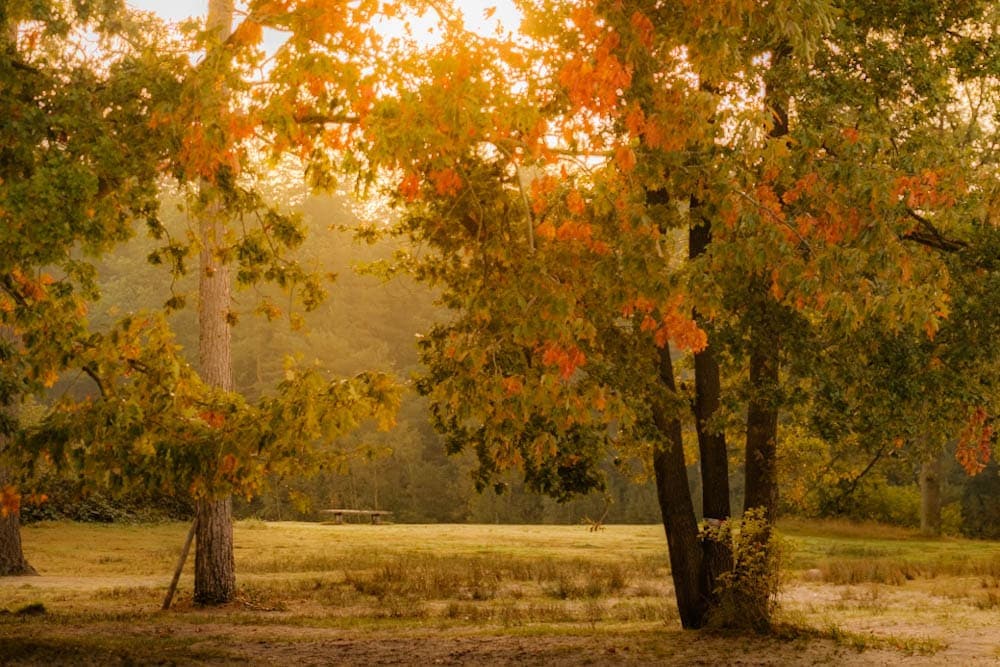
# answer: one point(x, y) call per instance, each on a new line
point(180, 565)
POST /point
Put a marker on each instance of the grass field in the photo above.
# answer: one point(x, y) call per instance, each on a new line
point(467, 594)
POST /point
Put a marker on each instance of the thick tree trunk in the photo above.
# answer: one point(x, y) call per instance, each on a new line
point(711, 439)
point(214, 566)
point(215, 571)
point(677, 509)
point(930, 497)
point(12, 561)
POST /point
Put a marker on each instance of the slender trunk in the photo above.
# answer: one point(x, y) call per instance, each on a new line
point(180, 567)
point(762, 429)
point(930, 497)
point(762, 413)
point(215, 574)
point(677, 509)
point(755, 572)
point(215, 571)
point(711, 438)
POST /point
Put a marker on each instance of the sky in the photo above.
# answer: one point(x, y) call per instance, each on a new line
point(172, 10)
point(506, 14)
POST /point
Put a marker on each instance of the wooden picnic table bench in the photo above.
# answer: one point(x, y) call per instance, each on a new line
point(338, 514)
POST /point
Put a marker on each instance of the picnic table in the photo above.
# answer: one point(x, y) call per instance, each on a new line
point(339, 514)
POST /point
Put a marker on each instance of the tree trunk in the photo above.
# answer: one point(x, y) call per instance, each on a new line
point(762, 430)
point(214, 566)
point(215, 571)
point(215, 574)
point(677, 509)
point(762, 413)
point(12, 561)
point(930, 497)
point(711, 440)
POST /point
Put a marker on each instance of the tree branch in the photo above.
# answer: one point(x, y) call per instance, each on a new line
point(853, 485)
point(930, 236)
point(96, 378)
point(7, 283)
point(324, 119)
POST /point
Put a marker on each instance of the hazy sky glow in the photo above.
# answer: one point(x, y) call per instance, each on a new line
point(173, 10)
point(507, 17)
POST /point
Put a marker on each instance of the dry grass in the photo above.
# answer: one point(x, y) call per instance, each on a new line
point(305, 587)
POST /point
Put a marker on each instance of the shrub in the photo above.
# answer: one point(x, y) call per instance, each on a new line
point(747, 595)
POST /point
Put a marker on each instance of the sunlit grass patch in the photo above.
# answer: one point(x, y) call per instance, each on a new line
point(908, 645)
point(300, 580)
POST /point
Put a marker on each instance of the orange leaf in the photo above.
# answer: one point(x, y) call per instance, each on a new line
point(248, 33)
point(446, 181)
point(213, 418)
point(643, 27)
point(10, 500)
point(513, 385)
point(625, 158)
point(575, 203)
point(228, 464)
point(409, 187)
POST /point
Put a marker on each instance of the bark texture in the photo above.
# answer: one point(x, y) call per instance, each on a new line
point(762, 432)
point(215, 570)
point(214, 565)
point(677, 509)
point(12, 561)
point(718, 555)
point(765, 344)
point(930, 497)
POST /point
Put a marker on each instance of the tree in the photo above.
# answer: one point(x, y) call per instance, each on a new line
point(77, 167)
point(154, 421)
point(894, 387)
point(218, 124)
point(215, 566)
point(550, 196)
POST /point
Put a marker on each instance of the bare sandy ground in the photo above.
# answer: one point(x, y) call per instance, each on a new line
point(189, 636)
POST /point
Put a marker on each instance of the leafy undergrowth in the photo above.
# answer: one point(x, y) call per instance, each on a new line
point(504, 594)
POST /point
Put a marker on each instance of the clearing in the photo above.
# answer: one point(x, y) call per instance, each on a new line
point(475, 594)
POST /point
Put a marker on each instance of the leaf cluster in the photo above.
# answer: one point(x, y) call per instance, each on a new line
point(157, 425)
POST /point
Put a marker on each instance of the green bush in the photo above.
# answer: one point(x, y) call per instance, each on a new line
point(874, 499)
point(68, 500)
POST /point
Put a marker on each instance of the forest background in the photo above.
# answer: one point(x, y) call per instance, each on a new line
point(368, 322)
